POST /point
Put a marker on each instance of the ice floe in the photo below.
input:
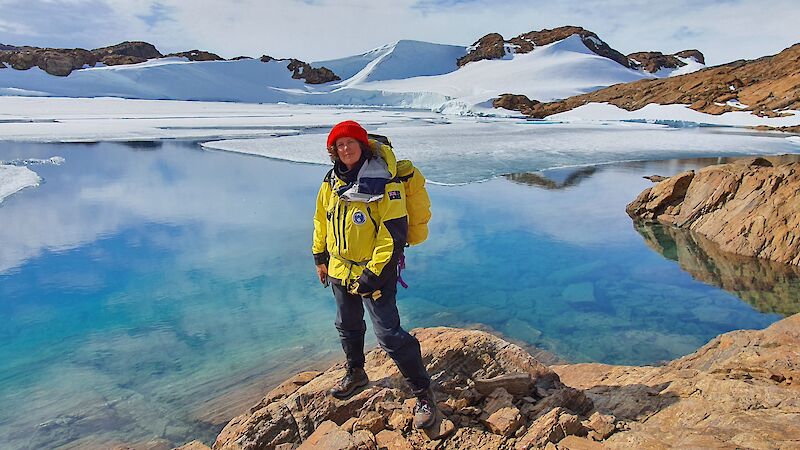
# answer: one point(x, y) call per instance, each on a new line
point(16, 178)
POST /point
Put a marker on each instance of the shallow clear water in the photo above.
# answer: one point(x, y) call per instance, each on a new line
point(155, 290)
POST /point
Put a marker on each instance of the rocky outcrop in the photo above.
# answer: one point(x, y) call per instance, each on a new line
point(654, 61)
point(768, 286)
point(55, 61)
point(311, 75)
point(126, 53)
point(766, 86)
point(488, 390)
point(526, 42)
point(303, 70)
point(749, 207)
point(197, 55)
point(742, 389)
point(62, 61)
point(693, 53)
point(515, 102)
point(493, 46)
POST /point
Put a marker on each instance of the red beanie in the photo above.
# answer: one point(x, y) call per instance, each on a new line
point(348, 128)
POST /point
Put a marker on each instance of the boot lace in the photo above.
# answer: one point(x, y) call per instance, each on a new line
point(423, 406)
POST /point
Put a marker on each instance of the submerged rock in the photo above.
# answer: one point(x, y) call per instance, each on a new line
point(741, 389)
point(749, 207)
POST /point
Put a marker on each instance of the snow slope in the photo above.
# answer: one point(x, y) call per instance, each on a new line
point(399, 60)
point(405, 73)
point(558, 70)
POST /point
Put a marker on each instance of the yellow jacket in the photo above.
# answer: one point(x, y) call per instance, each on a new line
point(361, 228)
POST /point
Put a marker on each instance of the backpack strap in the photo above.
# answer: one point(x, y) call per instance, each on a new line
point(329, 178)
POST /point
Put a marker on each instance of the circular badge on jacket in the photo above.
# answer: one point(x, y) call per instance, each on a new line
point(359, 218)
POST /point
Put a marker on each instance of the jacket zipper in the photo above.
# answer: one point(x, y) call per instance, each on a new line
point(336, 227)
point(375, 224)
point(344, 226)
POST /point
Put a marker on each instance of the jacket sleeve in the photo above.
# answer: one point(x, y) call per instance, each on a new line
point(319, 246)
point(391, 238)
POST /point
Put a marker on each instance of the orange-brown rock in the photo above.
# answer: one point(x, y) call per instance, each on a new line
point(527, 41)
point(654, 61)
point(515, 102)
point(311, 75)
point(458, 357)
point(55, 61)
point(550, 428)
point(739, 390)
point(693, 53)
point(303, 70)
point(128, 52)
point(194, 445)
point(793, 129)
point(493, 46)
point(767, 86)
point(749, 208)
point(62, 61)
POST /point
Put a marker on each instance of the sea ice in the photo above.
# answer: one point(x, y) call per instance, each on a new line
point(15, 178)
point(467, 150)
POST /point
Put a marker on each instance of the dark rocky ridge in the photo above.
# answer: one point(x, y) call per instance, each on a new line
point(62, 61)
point(303, 70)
point(492, 46)
point(654, 61)
point(197, 55)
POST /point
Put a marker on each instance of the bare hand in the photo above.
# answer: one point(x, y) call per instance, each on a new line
point(322, 273)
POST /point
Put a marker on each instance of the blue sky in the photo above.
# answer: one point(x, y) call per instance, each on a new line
point(725, 30)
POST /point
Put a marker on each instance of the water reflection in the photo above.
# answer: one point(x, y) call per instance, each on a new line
point(157, 293)
point(554, 179)
point(768, 286)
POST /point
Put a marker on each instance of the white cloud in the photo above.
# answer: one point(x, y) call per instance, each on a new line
point(724, 30)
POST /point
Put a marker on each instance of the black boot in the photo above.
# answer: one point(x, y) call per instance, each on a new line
point(354, 378)
point(425, 410)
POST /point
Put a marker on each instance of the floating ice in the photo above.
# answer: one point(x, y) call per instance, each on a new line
point(15, 178)
point(467, 150)
point(53, 160)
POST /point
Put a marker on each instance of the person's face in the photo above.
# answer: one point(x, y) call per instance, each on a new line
point(349, 151)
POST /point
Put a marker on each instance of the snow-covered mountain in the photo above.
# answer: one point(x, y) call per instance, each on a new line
point(399, 60)
point(405, 73)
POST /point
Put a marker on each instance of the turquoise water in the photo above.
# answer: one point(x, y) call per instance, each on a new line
point(155, 290)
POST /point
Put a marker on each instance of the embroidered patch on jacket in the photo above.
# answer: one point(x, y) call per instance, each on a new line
point(359, 218)
point(394, 195)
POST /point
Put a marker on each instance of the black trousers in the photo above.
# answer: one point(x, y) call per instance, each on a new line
point(402, 347)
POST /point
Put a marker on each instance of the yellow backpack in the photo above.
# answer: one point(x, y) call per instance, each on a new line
point(418, 203)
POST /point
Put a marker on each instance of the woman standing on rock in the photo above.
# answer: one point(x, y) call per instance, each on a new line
point(360, 230)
